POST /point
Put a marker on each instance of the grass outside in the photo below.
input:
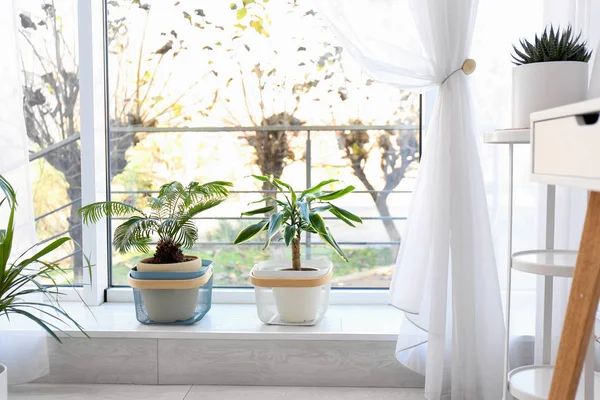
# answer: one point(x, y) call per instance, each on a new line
point(233, 264)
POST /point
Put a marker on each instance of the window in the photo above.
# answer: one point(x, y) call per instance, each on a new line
point(219, 92)
point(48, 44)
point(260, 87)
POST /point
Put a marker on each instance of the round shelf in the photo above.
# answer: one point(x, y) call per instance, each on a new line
point(507, 136)
point(546, 262)
point(531, 382)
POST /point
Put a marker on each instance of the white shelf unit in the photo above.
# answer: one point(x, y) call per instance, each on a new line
point(533, 382)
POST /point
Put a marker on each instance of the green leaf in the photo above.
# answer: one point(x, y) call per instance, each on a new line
point(136, 233)
point(287, 186)
point(48, 249)
point(281, 203)
point(6, 244)
point(317, 187)
point(262, 210)
point(327, 238)
point(8, 190)
point(318, 223)
point(275, 225)
point(92, 213)
point(342, 218)
point(326, 207)
point(335, 195)
point(38, 321)
point(304, 211)
point(241, 13)
point(347, 214)
point(290, 233)
point(250, 231)
point(261, 178)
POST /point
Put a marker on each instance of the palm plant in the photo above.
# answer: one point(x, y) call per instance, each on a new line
point(23, 278)
point(298, 214)
point(170, 218)
point(559, 45)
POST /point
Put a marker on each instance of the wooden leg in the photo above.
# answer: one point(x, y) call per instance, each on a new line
point(581, 310)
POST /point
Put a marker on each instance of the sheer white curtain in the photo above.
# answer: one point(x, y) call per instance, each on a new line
point(23, 348)
point(445, 276)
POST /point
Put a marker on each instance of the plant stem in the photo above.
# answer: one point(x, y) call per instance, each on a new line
point(296, 266)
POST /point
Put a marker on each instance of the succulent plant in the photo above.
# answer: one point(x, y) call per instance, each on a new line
point(553, 45)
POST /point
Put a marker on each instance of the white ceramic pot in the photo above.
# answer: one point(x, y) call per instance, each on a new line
point(297, 305)
point(187, 266)
point(293, 302)
point(170, 305)
point(543, 85)
point(3, 382)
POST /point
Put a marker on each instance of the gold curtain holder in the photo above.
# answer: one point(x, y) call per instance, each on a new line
point(467, 68)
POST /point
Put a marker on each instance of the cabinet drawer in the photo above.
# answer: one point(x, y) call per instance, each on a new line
point(565, 145)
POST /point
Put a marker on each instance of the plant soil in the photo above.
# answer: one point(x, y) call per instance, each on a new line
point(168, 252)
point(151, 260)
point(301, 269)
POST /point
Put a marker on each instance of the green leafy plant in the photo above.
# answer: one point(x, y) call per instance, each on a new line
point(298, 214)
point(559, 45)
point(26, 276)
point(170, 218)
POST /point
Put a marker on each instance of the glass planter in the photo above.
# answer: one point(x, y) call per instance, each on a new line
point(287, 297)
point(172, 301)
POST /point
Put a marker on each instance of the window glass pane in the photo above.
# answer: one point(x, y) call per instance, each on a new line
point(184, 76)
point(48, 45)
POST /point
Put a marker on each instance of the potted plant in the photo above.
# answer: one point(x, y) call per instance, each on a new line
point(170, 220)
point(551, 72)
point(299, 289)
point(27, 275)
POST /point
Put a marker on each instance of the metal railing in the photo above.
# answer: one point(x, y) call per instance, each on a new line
point(51, 148)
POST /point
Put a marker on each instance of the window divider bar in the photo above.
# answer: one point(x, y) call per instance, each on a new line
point(288, 128)
point(91, 28)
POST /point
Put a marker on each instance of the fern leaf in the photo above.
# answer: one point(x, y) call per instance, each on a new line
point(92, 213)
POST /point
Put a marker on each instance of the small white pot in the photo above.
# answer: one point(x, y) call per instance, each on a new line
point(187, 266)
point(166, 305)
point(294, 302)
point(297, 305)
point(3, 382)
point(543, 85)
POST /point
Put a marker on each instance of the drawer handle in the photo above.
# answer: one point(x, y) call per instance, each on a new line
point(588, 119)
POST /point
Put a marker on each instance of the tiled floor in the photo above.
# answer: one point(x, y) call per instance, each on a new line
point(165, 392)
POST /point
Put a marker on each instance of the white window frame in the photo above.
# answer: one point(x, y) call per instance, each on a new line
point(94, 108)
point(92, 98)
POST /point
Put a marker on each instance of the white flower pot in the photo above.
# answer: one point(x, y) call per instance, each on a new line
point(192, 265)
point(543, 85)
point(297, 305)
point(3, 382)
point(285, 297)
point(166, 305)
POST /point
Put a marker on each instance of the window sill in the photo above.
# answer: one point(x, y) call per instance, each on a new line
point(240, 322)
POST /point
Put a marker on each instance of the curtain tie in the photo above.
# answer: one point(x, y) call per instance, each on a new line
point(467, 68)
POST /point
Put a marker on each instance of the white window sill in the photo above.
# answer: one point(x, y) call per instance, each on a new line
point(238, 322)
